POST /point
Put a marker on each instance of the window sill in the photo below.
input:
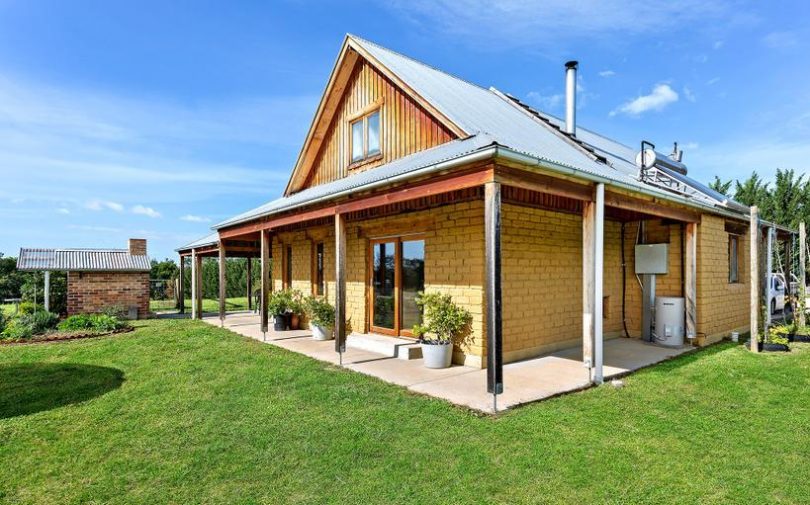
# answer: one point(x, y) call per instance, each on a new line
point(365, 161)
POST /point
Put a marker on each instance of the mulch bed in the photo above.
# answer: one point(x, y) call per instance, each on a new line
point(63, 336)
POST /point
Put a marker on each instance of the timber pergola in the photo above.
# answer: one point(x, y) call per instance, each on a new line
point(764, 237)
point(244, 247)
point(496, 183)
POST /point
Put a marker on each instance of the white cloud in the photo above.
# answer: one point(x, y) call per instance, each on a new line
point(607, 73)
point(691, 146)
point(718, 44)
point(687, 93)
point(554, 23)
point(63, 210)
point(93, 228)
point(712, 81)
point(194, 219)
point(737, 158)
point(104, 205)
point(660, 96)
point(780, 40)
point(546, 102)
point(145, 211)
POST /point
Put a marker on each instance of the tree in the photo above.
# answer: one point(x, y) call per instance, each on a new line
point(754, 191)
point(11, 280)
point(722, 187)
point(788, 199)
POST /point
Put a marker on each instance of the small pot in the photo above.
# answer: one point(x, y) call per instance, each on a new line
point(279, 322)
point(437, 355)
point(801, 338)
point(321, 332)
point(771, 347)
point(295, 321)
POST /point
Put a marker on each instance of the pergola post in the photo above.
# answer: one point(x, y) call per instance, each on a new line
point(181, 298)
point(198, 297)
point(756, 285)
point(598, 287)
point(194, 279)
point(588, 301)
point(802, 274)
point(492, 242)
point(47, 291)
point(768, 270)
point(249, 283)
point(264, 247)
point(340, 285)
point(222, 281)
point(690, 280)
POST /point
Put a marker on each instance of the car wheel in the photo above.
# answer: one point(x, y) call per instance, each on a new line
point(773, 306)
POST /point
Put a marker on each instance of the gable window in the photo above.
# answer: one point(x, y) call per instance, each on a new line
point(318, 285)
point(733, 259)
point(365, 133)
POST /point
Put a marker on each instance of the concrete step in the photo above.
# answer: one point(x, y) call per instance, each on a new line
point(401, 348)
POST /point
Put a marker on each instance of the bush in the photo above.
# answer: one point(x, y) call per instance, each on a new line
point(320, 312)
point(2, 321)
point(17, 330)
point(284, 301)
point(92, 322)
point(444, 320)
point(29, 308)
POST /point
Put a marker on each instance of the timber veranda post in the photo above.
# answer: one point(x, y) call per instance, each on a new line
point(802, 319)
point(340, 285)
point(264, 267)
point(181, 292)
point(222, 280)
point(754, 280)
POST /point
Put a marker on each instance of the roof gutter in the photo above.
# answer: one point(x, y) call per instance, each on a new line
point(496, 151)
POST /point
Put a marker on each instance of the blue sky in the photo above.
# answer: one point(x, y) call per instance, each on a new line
point(157, 119)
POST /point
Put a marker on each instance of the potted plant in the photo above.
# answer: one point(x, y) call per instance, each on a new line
point(278, 305)
point(321, 317)
point(775, 340)
point(296, 308)
point(444, 323)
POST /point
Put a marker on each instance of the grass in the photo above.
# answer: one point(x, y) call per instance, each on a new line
point(182, 412)
point(209, 305)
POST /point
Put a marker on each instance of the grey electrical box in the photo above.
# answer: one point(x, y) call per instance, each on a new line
point(652, 259)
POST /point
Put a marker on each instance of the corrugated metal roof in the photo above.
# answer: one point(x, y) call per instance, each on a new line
point(490, 119)
point(428, 157)
point(85, 260)
point(210, 239)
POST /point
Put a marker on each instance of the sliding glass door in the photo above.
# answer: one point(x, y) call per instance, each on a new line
point(397, 275)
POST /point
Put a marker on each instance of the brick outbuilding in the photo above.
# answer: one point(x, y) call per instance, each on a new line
point(97, 279)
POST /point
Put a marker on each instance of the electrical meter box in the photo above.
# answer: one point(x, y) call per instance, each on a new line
point(652, 258)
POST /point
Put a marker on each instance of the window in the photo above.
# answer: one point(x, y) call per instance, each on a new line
point(366, 137)
point(288, 265)
point(733, 259)
point(318, 285)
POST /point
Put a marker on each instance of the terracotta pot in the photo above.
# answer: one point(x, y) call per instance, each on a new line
point(295, 321)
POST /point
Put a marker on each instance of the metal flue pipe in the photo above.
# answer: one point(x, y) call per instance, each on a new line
point(571, 97)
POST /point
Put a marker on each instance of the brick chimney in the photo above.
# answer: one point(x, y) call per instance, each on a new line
point(137, 246)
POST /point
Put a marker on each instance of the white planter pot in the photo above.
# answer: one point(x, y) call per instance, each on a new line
point(437, 355)
point(320, 332)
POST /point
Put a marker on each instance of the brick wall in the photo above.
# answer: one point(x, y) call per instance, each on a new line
point(721, 306)
point(454, 261)
point(89, 292)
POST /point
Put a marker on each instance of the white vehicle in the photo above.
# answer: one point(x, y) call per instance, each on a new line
point(776, 293)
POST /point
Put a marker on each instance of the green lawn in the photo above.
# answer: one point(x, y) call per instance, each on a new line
point(209, 305)
point(183, 412)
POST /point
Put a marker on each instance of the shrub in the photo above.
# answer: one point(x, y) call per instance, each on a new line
point(40, 322)
point(29, 308)
point(284, 301)
point(92, 322)
point(320, 312)
point(444, 321)
point(17, 330)
point(2, 321)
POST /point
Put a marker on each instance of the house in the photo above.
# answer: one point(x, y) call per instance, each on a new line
point(412, 179)
point(97, 279)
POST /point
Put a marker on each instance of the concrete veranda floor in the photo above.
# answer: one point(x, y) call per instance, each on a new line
point(524, 381)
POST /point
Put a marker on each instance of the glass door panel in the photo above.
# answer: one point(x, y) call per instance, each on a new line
point(413, 281)
point(383, 284)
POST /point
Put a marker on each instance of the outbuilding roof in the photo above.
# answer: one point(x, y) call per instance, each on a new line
point(490, 118)
point(82, 260)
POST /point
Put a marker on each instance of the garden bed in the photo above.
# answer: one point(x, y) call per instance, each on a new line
point(61, 336)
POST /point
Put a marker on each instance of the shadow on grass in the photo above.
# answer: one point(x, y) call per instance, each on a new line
point(34, 387)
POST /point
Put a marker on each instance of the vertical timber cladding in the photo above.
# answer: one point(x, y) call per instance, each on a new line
point(405, 127)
